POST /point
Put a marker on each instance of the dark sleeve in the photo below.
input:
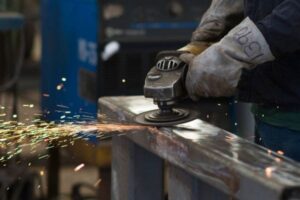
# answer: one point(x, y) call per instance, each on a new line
point(282, 28)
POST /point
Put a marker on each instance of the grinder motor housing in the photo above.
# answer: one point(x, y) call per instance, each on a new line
point(165, 82)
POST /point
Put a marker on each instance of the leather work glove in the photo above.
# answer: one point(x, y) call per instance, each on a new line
point(221, 17)
point(216, 72)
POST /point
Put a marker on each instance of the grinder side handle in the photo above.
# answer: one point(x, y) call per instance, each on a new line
point(195, 48)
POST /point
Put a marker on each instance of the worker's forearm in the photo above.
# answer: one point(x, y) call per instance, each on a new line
point(282, 28)
point(221, 17)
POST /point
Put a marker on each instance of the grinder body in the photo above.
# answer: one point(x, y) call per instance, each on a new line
point(165, 84)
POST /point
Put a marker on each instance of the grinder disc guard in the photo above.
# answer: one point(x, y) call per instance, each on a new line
point(167, 118)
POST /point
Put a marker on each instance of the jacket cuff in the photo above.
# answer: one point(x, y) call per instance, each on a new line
point(251, 41)
point(267, 35)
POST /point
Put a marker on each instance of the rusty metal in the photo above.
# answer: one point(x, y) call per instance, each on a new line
point(223, 160)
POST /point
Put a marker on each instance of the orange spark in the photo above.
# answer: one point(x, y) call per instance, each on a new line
point(60, 86)
point(280, 152)
point(97, 183)
point(79, 167)
point(269, 171)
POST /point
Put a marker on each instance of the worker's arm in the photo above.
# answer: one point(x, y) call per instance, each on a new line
point(216, 72)
point(221, 17)
point(282, 28)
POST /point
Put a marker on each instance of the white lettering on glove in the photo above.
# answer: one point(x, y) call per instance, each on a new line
point(251, 48)
point(216, 72)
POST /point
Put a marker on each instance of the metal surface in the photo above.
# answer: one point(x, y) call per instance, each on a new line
point(136, 173)
point(230, 164)
point(184, 186)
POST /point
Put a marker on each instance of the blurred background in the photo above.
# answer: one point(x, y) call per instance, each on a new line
point(20, 39)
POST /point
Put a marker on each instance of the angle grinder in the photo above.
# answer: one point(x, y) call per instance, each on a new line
point(165, 84)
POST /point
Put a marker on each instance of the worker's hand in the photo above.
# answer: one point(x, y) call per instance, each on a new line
point(216, 71)
point(187, 57)
point(221, 17)
point(191, 50)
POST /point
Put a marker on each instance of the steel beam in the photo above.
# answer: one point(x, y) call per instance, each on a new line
point(230, 164)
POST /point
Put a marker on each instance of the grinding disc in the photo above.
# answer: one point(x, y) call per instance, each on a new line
point(152, 119)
